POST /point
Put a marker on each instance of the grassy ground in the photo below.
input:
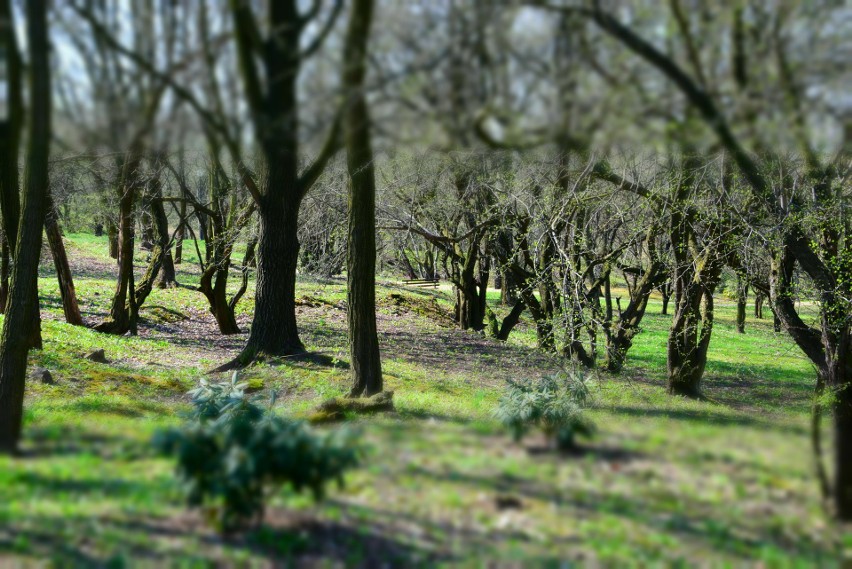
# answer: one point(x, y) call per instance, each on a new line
point(665, 482)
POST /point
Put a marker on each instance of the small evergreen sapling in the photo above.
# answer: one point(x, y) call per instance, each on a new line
point(233, 453)
point(554, 403)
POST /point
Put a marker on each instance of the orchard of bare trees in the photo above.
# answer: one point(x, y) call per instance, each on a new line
point(638, 192)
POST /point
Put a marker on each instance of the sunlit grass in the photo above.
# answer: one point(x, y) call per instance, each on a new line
point(666, 481)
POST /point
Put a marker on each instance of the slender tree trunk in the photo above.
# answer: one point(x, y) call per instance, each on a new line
point(23, 296)
point(742, 299)
point(666, 292)
point(178, 259)
point(366, 362)
point(620, 335)
point(501, 331)
point(63, 270)
point(159, 246)
point(213, 285)
point(118, 321)
point(5, 261)
point(759, 299)
point(112, 238)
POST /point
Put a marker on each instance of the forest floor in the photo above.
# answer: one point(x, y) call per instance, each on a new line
point(666, 481)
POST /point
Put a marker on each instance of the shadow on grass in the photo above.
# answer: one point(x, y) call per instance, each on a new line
point(46, 442)
point(706, 417)
point(689, 519)
point(298, 539)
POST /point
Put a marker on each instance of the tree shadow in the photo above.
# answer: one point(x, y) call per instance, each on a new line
point(706, 417)
point(301, 539)
point(697, 526)
point(46, 442)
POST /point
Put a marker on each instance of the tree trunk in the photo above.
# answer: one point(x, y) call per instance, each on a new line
point(168, 277)
point(23, 296)
point(469, 309)
point(688, 342)
point(159, 246)
point(501, 331)
point(759, 299)
point(742, 299)
point(840, 377)
point(273, 329)
point(112, 237)
point(5, 261)
point(620, 336)
point(118, 321)
point(366, 362)
point(63, 270)
point(666, 292)
point(178, 259)
point(213, 285)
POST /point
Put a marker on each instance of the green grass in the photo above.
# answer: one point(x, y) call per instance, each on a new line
point(666, 482)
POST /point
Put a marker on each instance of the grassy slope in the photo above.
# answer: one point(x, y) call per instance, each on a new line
point(666, 480)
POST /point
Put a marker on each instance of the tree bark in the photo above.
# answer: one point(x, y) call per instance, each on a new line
point(273, 329)
point(5, 269)
point(118, 321)
point(274, 111)
point(112, 238)
point(364, 352)
point(23, 296)
point(168, 277)
point(759, 299)
point(620, 335)
point(60, 262)
point(742, 299)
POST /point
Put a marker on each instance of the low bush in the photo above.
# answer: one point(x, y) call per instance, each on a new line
point(232, 453)
point(553, 403)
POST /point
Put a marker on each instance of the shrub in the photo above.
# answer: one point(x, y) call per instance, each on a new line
point(232, 453)
point(554, 403)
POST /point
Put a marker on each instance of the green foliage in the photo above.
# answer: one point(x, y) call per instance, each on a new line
point(232, 453)
point(554, 403)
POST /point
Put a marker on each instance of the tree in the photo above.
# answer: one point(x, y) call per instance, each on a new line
point(821, 249)
point(14, 346)
point(269, 68)
point(361, 255)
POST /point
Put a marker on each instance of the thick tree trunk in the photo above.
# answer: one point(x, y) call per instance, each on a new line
point(273, 330)
point(689, 341)
point(63, 270)
point(168, 277)
point(469, 306)
point(23, 296)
